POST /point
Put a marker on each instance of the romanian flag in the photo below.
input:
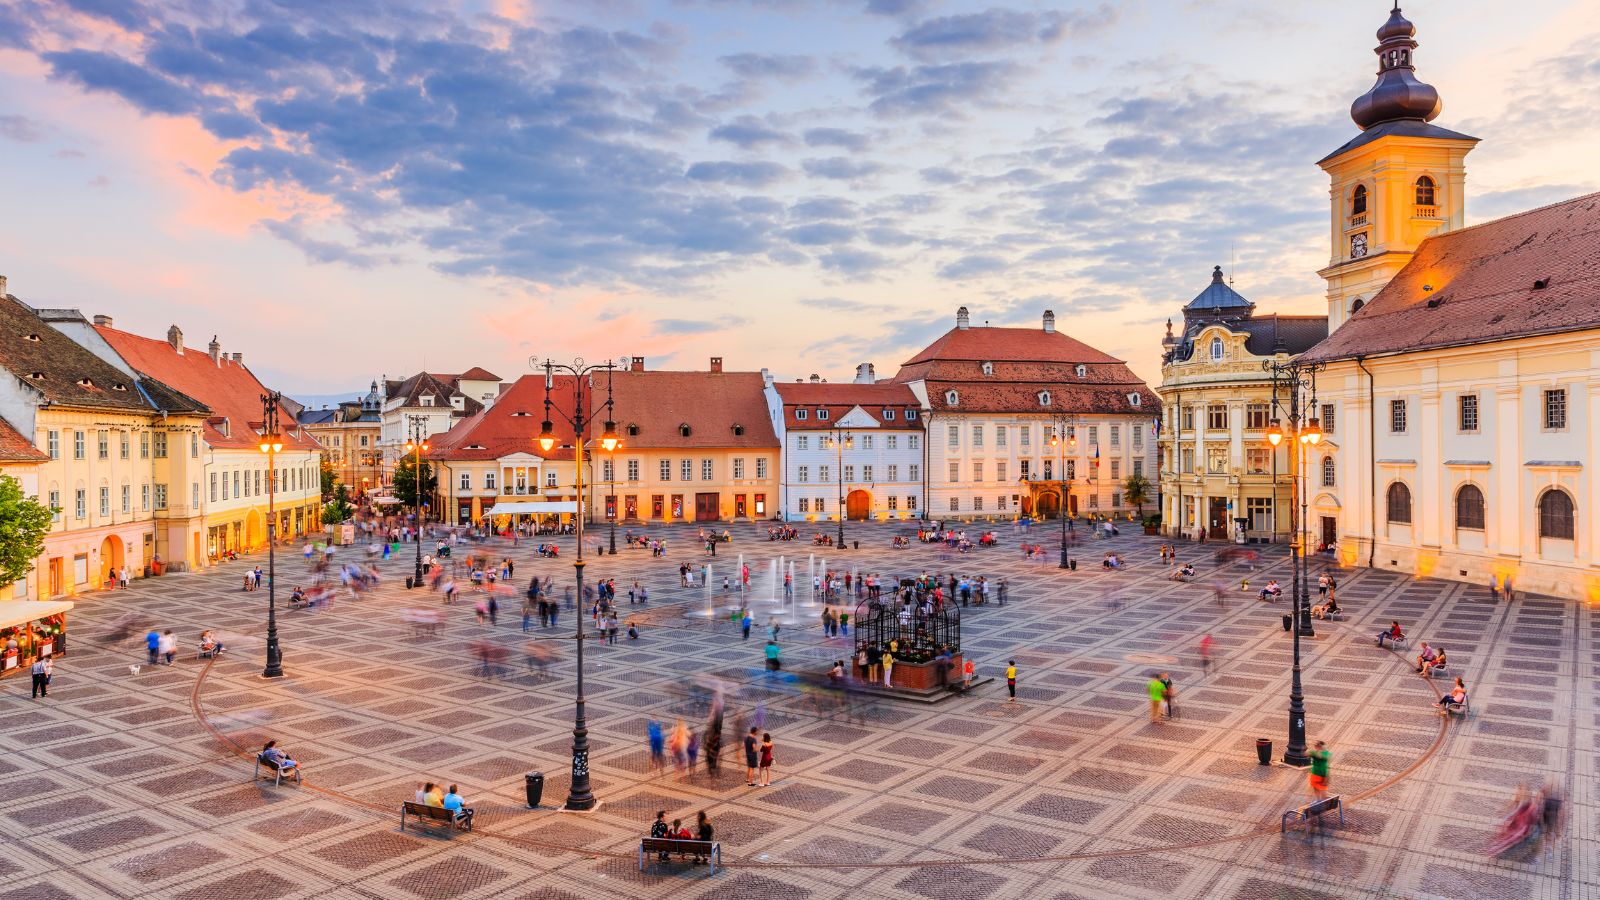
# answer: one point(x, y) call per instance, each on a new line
point(1097, 456)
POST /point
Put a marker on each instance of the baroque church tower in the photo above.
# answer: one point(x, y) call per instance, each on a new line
point(1397, 182)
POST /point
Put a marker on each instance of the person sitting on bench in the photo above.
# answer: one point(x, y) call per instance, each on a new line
point(658, 829)
point(1426, 655)
point(1393, 634)
point(1272, 591)
point(1429, 665)
point(1456, 697)
point(271, 754)
point(457, 804)
point(1324, 610)
point(298, 595)
point(209, 643)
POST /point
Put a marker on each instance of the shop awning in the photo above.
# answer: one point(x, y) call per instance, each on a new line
point(16, 612)
point(385, 501)
point(533, 506)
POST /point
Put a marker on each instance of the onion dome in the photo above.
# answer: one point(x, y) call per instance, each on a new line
point(1397, 94)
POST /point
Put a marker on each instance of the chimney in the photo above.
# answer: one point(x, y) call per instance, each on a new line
point(239, 358)
point(815, 378)
point(215, 348)
point(2, 286)
point(636, 364)
point(864, 374)
point(1049, 322)
point(872, 374)
point(98, 320)
point(961, 318)
point(175, 338)
point(716, 364)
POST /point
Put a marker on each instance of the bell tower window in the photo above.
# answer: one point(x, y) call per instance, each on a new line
point(1426, 195)
point(1358, 200)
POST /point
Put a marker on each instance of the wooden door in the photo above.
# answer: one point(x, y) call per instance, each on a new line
point(1217, 521)
point(706, 508)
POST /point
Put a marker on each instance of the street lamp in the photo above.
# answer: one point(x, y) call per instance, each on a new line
point(610, 442)
point(579, 795)
point(1064, 425)
point(271, 443)
point(417, 445)
point(1291, 382)
point(840, 440)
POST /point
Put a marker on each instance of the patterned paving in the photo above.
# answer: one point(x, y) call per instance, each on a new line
point(118, 788)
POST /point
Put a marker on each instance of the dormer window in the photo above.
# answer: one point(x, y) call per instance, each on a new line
point(34, 337)
point(888, 415)
point(521, 412)
point(1081, 371)
point(738, 430)
point(1135, 400)
point(427, 399)
point(119, 386)
point(988, 368)
point(37, 376)
point(1044, 398)
point(822, 415)
point(684, 429)
point(910, 414)
point(1217, 349)
point(1358, 200)
point(86, 382)
point(802, 413)
point(633, 430)
point(952, 398)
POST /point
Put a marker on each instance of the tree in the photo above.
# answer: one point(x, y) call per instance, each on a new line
point(328, 477)
point(405, 480)
point(23, 524)
point(338, 509)
point(1136, 490)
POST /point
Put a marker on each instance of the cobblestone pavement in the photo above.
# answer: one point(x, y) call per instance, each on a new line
point(119, 785)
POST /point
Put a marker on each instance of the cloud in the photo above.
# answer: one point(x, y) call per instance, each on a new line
point(770, 65)
point(934, 89)
point(696, 326)
point(126, 13)
point(974, 265)
point(821, 233)
point(848, 261)
point(824, 208)
point(748, 174)
point(98, 71)
point(998, 30)
point(748, 132)
point(20, 129)
point(840, 168)
point(317, 251)
point(835, 137)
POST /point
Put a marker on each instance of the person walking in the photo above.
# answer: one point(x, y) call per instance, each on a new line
point(766, 759)
point(1205, 654)
point(1321, 760)
point(152, 643)
point(169, 646)
point(967, 670)
point(1168, 695)
point(1011, 680)
point(1158, 692)
point(41, 678)
point(752, 759)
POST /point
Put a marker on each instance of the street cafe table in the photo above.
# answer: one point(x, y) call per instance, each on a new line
point(29, 630)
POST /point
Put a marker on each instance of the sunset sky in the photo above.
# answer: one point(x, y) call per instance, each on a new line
point(340, 190)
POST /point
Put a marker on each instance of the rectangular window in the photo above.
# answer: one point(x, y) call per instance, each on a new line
point(866, 474)
point(1328, 418)
point(1259, 511)
point(888, 415)
point(1001, 435)
point(910, 414)
point(977, 471)
point(666, 470)
point(127, 499)
point(802, 442)
point(1000, 502)
point(1138, 437)
point(1555, 409)
point(161, 445)
point(633, 470)
point(1469, 412)
point(1094, 435)
point(1025, 435)
point(488, 480)
point(1257, 416)
point(955, 472)
point(466, 481)
point(849, 473)
point(550, 478)
point(955, 504)
point(144, 445)
point(894, 472)
point(1049, 469)
point(80, 504)
point(1000, 470)
point(103, 444)
point(1116, 435)
point(685, 470)
point(761, 467)
point(913, 441)
point(1258, 460)
point(105, 501)
point(1027, 469)
point(213, 487)
point(916, 472)
point(55, 506)
point(77, 446)
point(1138, 467)
point(194, 494)
point(1397, 416)
point(977, 435)
point(161, 496)
point(1094, 501)
point(364, 440)
point(1116, 500)
point(1217, 460)
point(805, 504)
point(608, 470)
point(236, 493)
point(705, 470)
point(894, 442)
point(911, 501)
point(1187, 418)
point(656, 506)
point(53, 444)
point(977, 504)
point(1217, 417)
point(822, 414)
point(194, 445)
point(954, 432)
point(822, 474)
point(738, 467)
point(122, 437)
point(801, 414)
point(894, 502)
point(1116, 473)
point(803, 474)
point(1072, 470)
point(866, 442)
point(1186, 455)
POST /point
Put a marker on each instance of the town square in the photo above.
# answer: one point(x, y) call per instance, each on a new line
point(799, 448)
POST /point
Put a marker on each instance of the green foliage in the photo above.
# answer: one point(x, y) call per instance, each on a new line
point(338, 509)
point(1136, 490)
point(405, 480)
point(23, 524)
point(328, 478)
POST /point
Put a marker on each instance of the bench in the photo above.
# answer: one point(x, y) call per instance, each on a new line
point(278, 772)
point(203, 653)
point(650, 846)
point(432, 815)
point(1462, 709)
point(1301, 817)
point(1391, 642)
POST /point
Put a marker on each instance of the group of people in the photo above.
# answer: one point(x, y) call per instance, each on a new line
point(431, 794)
point(703, 832)
point(782, 533)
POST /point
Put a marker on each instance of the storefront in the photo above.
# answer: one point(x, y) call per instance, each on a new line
point(543, 512)
point(30, 630)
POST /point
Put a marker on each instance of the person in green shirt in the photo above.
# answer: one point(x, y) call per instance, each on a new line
point(1320, 759)
point(1158, 692)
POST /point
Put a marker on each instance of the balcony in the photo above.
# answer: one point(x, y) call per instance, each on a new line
point(1357, 221)
point(1426, 212)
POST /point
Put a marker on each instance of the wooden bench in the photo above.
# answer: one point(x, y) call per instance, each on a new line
point(432, 815)
point(1301, 817)
point(651, 846)
point(278, 772)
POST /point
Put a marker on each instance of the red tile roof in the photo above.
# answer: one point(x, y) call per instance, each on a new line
point(61, 370)
point(840, 399)
point(1023, 398)
point(442, 387)
point(226, 386)
point(1483, 286)
point(16, 448)
point(511, 425)
point(712, 404)
point(477, 373)
point(1013, 344)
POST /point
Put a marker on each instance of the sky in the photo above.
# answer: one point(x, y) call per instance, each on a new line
point(344, 189)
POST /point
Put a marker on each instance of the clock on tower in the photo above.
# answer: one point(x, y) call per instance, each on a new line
point(1358, 245)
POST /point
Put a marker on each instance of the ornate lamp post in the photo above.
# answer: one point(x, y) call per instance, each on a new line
point(1291, 382)
point(840, 440)
point(417, 446)
point(1064, 425)
point(579, 795)
point(271, 444)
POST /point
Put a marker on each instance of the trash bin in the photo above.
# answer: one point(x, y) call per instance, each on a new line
point(1288, 621)
point(855, 545)
point(535, 785)
point(1072, 565)
point(408, 582)
point(1263, 751)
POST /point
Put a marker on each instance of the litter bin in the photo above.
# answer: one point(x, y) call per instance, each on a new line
point(408, 582)
point(535, 785)
point(1263, 751)
point(855, 545)
point(1072, 565)
point(1288, 621)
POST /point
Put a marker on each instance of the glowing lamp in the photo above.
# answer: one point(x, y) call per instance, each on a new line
point(1313, 430)
point(1275, 434)
point(271, 443)
point(547, 436)
point(608, 438)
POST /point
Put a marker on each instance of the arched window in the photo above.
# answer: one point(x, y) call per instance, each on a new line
point(684, 429)
point(1216, 348)
point(1556, 515)
point(1358, 200)
point(1399, 503)
point(1356, 306)
point(1469, 507)
point(1425, 191)
point(1327, 471)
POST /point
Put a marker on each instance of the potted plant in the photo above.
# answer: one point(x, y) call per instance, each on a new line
point(1152, 524)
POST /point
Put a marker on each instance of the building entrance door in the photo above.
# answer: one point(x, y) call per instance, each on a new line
point(706, 507)
point(857, 505)
point(1217, 519)
point(1330, 531)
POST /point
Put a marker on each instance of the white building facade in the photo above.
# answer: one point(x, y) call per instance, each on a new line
point(855, 450)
